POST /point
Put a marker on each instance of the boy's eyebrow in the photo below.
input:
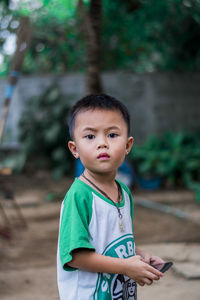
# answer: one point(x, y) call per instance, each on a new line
point(93, 129)
point(89, 129)
point(113, 127)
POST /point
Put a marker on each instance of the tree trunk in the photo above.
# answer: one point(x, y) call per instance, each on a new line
point(92, 21)
point(23, 41)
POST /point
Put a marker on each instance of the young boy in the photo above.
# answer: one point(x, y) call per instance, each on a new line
point(97, 258)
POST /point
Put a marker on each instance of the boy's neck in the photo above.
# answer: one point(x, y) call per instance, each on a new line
point(101, 178)
point(105, 182)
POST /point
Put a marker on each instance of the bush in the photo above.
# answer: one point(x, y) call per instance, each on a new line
point(43, 132)
point(173, 157)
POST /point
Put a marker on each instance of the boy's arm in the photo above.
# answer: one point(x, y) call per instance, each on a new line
point(133, 267)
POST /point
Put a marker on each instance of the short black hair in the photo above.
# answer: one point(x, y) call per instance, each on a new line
point(100, 101)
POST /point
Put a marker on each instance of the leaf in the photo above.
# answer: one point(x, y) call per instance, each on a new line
point(16, 162)
point(50, 197)
point(52, 133)
point(58, 173)
point(59, 154)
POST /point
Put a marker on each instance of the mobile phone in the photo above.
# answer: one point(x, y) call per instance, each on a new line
point(163, 267)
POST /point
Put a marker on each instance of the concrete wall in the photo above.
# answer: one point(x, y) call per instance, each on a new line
point(157, 102)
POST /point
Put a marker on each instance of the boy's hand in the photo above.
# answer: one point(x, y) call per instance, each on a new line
point(148, 258)
point(155, 260)
point(141, 271)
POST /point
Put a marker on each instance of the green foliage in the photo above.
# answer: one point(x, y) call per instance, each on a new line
point(146, 36)
point(6, 2)
point(174, 157)
point(61, 9)
point(137, 35)
point(43, 132)
point(59, 47)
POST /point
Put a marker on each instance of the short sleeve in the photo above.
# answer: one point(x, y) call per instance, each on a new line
point(74, 226)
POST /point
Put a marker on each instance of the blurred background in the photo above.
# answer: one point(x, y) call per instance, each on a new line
point(146, 53)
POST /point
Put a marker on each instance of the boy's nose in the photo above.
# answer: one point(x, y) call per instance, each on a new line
point(103, 143)
point(102, 146)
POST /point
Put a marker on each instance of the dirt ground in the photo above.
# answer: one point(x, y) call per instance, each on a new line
point(28, 259)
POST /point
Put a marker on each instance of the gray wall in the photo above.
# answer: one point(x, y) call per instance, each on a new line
point(157, 102)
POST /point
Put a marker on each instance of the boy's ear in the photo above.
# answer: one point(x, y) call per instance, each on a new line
point(129, 144)
point(72, 147)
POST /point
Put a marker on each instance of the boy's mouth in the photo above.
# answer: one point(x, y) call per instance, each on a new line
point(103, 156)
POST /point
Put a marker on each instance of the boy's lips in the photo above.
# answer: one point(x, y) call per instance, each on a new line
point(103, 156)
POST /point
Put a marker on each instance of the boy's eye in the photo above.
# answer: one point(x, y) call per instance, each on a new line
point(90, 136)
point(112, 135)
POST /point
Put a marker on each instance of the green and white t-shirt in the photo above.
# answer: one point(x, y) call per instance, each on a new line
point(90, 220)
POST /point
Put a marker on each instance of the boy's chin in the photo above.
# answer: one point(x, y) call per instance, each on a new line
point(104, 172)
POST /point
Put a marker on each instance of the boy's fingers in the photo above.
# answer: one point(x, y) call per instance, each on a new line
point(155, 271)
point(145, 281)
point(148, 281)
point(152, 276)
point(141, 283)
point(156, 260)
point(147, 258)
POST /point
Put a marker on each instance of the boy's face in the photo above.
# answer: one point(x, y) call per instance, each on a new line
point(100, 140)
